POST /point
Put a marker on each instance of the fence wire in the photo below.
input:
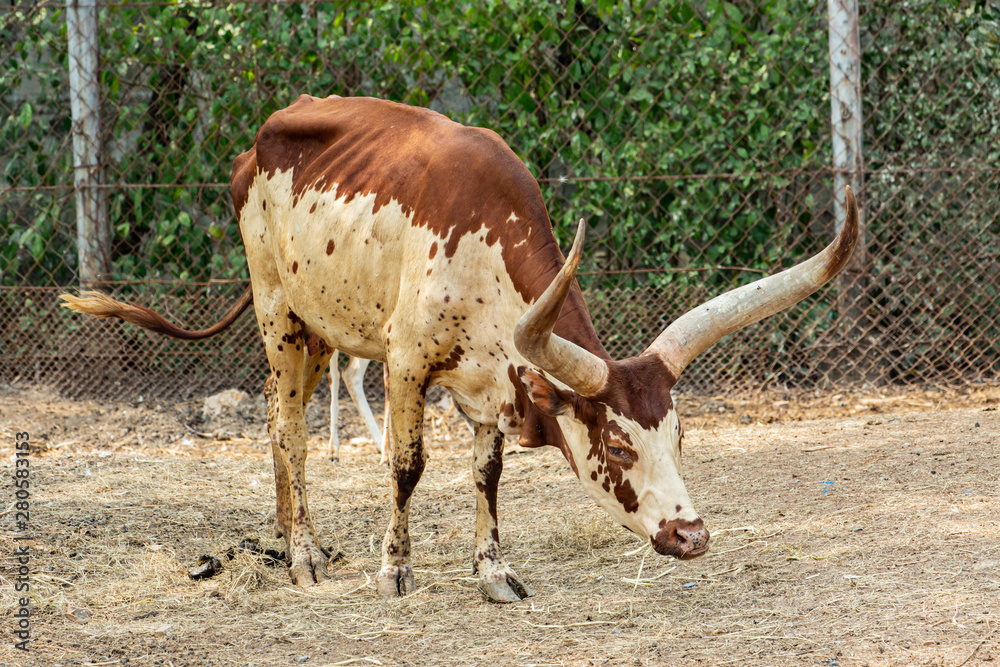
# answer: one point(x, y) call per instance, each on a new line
point(693, 137)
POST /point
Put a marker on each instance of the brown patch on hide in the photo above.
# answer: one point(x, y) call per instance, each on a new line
point(539, 429)
point(316, 345)
point(639, 388)
point(604, 433)
point(244, 170)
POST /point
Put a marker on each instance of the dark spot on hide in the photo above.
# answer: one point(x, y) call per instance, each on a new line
point(316, 345)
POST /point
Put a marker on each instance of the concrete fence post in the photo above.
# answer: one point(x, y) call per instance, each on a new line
point(848, 160)
point(92, 230)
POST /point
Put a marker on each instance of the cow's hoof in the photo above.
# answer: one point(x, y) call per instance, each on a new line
point(502, 585)
point(395, 581)
point(309, 569)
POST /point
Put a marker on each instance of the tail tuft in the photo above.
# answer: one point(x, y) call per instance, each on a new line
point(93, 303)
point(102, 305)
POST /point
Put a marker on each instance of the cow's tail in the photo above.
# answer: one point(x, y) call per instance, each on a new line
point(102, 305)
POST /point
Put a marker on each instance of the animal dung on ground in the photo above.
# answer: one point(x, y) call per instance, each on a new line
point(208, 566)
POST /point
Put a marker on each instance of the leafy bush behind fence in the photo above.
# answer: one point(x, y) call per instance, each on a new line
point(694, 138)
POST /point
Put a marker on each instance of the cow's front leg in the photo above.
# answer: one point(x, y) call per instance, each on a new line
point(497, 581)
point(407, 459)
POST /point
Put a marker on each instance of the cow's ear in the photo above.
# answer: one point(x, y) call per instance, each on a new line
point(546, 396)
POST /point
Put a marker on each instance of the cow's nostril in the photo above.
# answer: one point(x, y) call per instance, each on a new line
point(681, 538)
point(696, 538)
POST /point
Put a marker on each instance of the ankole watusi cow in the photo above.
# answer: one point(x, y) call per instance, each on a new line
point(392, 233)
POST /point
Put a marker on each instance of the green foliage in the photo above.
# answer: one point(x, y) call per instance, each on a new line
point(36, 220)
point(637, 99)
point(689, 135)
point(932, 110)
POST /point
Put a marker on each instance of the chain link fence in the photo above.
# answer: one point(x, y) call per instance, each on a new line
point(693, 137)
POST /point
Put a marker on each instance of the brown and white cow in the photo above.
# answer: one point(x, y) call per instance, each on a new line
point(392, 233)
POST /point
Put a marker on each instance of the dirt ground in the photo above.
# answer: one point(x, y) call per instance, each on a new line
point(848, 529)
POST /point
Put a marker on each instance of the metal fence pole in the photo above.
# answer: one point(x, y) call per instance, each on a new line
point(848, 160)
point(93, 234)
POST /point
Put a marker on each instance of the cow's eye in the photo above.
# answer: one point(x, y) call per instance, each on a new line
point(621, 454)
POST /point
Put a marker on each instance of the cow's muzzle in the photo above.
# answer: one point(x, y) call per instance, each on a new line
point(681, 538)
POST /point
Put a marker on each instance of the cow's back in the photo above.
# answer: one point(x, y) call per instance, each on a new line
point(362, 204)
point(442, 173)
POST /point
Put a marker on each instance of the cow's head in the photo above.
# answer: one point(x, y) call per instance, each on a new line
point(617, 420)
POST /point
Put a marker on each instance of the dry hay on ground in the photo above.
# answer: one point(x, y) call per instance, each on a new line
point(848, 538)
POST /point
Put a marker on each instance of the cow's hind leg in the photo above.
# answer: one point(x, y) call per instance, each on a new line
point(282, 517)
point(406, 461)
point(497, 581)
point(292, 383)
point(320, 356)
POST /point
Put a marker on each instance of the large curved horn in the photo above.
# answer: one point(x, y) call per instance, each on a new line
point(582, 371)
point(698, 329)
